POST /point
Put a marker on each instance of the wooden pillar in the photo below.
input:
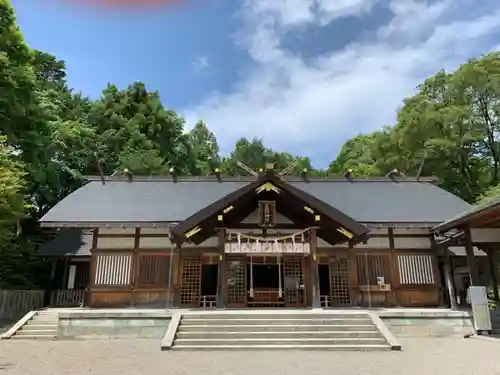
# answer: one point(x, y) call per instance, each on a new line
point(316, 301)
point(471, 259)
point(491, 251)
point(177, 297)
point(448, 278)
point(47, 298)
point(66, 273)
point(93, 268)
point(134, 270)
point(170, 294)
point(221, 270)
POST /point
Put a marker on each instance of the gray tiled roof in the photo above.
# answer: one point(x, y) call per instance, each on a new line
point(367, 201)
point(68, 242)
point(472, 212)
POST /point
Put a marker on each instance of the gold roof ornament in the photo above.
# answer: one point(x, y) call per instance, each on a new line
point(267, 187)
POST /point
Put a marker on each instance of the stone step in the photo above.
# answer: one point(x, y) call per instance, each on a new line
point(280, 341)
point(274, 327)
point(44, 319)
point(273, 334)
point(284, 347)
point(41, 323)
point(37, 332)
point(37, 325)
point(277, 315)
point(278, 321)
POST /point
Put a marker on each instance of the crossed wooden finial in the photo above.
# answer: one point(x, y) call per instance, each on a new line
point(250, 171)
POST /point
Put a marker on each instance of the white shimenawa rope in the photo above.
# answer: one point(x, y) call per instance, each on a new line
point(251, 277)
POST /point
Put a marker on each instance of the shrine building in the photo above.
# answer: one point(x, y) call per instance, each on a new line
point(265, 240)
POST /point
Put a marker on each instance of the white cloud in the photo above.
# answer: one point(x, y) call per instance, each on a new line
point(200, 64)
point(293, 104)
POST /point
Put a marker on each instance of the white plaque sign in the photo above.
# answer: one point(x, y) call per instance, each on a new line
point(267, 247)
point(480, 310)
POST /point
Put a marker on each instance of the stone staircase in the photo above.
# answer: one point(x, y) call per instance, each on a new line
point(324, 330)
point(43, 325)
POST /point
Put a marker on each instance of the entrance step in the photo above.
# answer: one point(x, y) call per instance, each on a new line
point(279, 314)
point(43, 325)
point(285, 347)
point(278, 327)
point(269, 330)
point(296, 335)
point(282, 341)
point(252, 319)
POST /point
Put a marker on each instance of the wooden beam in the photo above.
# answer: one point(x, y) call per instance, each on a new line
point(471, 259)
point(130, 235)
point(448, 278)
point(95, 238)
point(316, 302)
point(390, 233)
point(258, 227)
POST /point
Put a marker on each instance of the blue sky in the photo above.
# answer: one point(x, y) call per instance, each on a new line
point(304, 75)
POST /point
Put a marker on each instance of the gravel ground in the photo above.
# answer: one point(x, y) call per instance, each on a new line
point(124, 357)
point(5, 325)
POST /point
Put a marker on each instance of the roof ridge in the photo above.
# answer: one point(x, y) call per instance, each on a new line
point(180, 179)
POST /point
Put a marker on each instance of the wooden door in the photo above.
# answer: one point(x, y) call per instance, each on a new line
point(236, 281)
point(339, 280)
point(189, 291)
point(293, 278)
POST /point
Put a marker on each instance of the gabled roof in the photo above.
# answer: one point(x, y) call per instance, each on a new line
point(161, 201)
point(479, 211)
point(296, 204)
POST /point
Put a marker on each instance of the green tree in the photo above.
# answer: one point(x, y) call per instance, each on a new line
point(449, 129)
point(359, 155)
point(204, 149)
point(134, 131)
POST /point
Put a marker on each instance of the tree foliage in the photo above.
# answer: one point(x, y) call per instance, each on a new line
point(52, 136)
point(449, 129)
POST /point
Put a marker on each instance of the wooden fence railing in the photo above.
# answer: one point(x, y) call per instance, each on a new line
point(15, 303)
point(67, 298)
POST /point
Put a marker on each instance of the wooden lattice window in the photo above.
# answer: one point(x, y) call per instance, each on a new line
point(416, 269)
point(113, 269)
point(267, 213)
point(154, 270)
point(372, 268)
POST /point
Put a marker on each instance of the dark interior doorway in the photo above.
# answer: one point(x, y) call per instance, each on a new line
point(265, 276)
point(209, 279)
point(264, 286)
point(324, 279)
point(442, 283)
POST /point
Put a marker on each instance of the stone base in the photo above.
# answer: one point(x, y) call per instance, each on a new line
point(135, 323)
point(427, 322)
point(95, 324)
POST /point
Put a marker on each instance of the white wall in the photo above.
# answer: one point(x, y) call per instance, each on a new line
point(165, 243)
